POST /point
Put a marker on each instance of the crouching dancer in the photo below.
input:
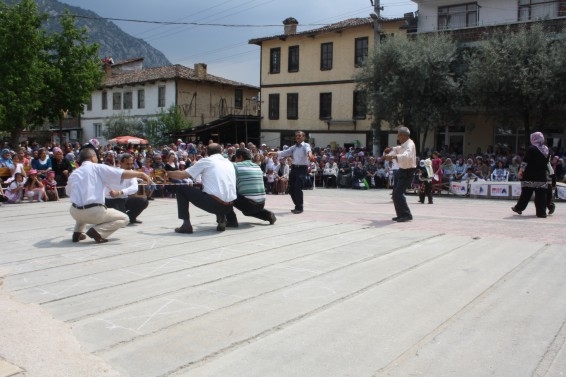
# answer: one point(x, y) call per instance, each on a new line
point(86, 187)
point(218, 188)
point(250, 190)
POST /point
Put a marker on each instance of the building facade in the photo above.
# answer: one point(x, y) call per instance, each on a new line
point(468, 22)
point(212, 104)
point(307, 82)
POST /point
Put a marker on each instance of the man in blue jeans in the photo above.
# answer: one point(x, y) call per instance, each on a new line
point(406, 157)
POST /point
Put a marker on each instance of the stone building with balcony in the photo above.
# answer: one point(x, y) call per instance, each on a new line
point(217, 108)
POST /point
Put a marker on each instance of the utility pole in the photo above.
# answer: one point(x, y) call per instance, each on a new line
point(376, 124)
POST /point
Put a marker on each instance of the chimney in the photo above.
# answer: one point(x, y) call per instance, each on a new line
point(108, 62)
point(290, 26)
point(200, 70)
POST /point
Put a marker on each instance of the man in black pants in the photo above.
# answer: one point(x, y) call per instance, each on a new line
point(302, 155)
point(250, 189)
point(406, 156)
point(123, 197)
point(218, 188)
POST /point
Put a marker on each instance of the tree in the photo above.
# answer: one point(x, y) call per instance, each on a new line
point(42, 76)
point(413, 83)
point(518, 76)
point(23, 64)
point(76, 70)
point(120, 125)
point(159, 130)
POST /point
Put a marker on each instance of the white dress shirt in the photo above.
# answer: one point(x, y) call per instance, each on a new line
point(218, 176)
point(86, 184)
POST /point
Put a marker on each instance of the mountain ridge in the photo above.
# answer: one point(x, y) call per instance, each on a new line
point(113, 41)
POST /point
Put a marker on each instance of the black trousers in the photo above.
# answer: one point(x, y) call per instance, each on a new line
point(296, 178)
point(248, 208)
point(540, 200)
point(132, 206)
point(199, 198)
point(403, 180)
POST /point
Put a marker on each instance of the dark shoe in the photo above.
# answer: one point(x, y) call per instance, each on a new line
point(187, 230)
point(232, 224)
point(542, 216)
point(92, 233)
point(551, 208)
point(297, 211)
point(429, 202)
point(221, 220)
point(395, 218)
point(136, 222)
point(516, 211)
point(421, 202)
point(78, 236)
point(272, 219)
point(150, 198)
point(404, 219)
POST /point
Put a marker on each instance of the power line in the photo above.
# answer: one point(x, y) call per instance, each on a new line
point(175, 22)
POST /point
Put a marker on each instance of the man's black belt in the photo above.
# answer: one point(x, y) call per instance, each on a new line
point(298, 166)
point(88, 206)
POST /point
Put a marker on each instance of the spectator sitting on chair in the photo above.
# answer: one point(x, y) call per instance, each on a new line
point(344, 173)
point(123, 196)
point(330, 172)
point(371, 172)
point(500, 173)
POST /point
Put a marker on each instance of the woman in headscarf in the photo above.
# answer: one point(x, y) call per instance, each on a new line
point(425, 176)
point(533, 175)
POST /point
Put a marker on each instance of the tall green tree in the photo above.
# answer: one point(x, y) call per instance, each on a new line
point(23, 66)
point(412, 82)
point(518, 76)
point(43, 75)
point(76, 70)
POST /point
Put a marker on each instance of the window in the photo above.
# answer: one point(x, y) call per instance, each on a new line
point(325, 106)
point(458, 16)
point(104, 100)
point(128, 100)
point(538, 9)
point(161, 96)
point(89, 104)
point(275, 60)
point(292, 105)
point(141, 99)
point(293, 59)
point(274, 106)
point(239, 99)
point(361, 53)
point(326, 56)
point(117, 101)
point(97, 129)
point(359, 105)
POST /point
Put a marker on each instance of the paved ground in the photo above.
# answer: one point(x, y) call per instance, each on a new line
point(466, 289)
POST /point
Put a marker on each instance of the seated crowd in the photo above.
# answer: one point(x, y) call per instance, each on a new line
point(40, 173)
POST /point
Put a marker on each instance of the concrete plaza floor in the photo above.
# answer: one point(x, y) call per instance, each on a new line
point(466, 289)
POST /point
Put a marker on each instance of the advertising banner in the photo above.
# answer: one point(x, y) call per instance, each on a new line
point(480, 189)
point(459, 188)
point(499, 190)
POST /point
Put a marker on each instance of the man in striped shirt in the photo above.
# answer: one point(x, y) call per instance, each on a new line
point(250, 189)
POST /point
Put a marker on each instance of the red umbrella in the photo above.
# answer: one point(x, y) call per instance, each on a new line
point(128, 140)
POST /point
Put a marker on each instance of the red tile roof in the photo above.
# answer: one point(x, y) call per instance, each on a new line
point(167, 73)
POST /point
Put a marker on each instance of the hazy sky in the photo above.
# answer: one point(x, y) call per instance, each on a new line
point(225, 49)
